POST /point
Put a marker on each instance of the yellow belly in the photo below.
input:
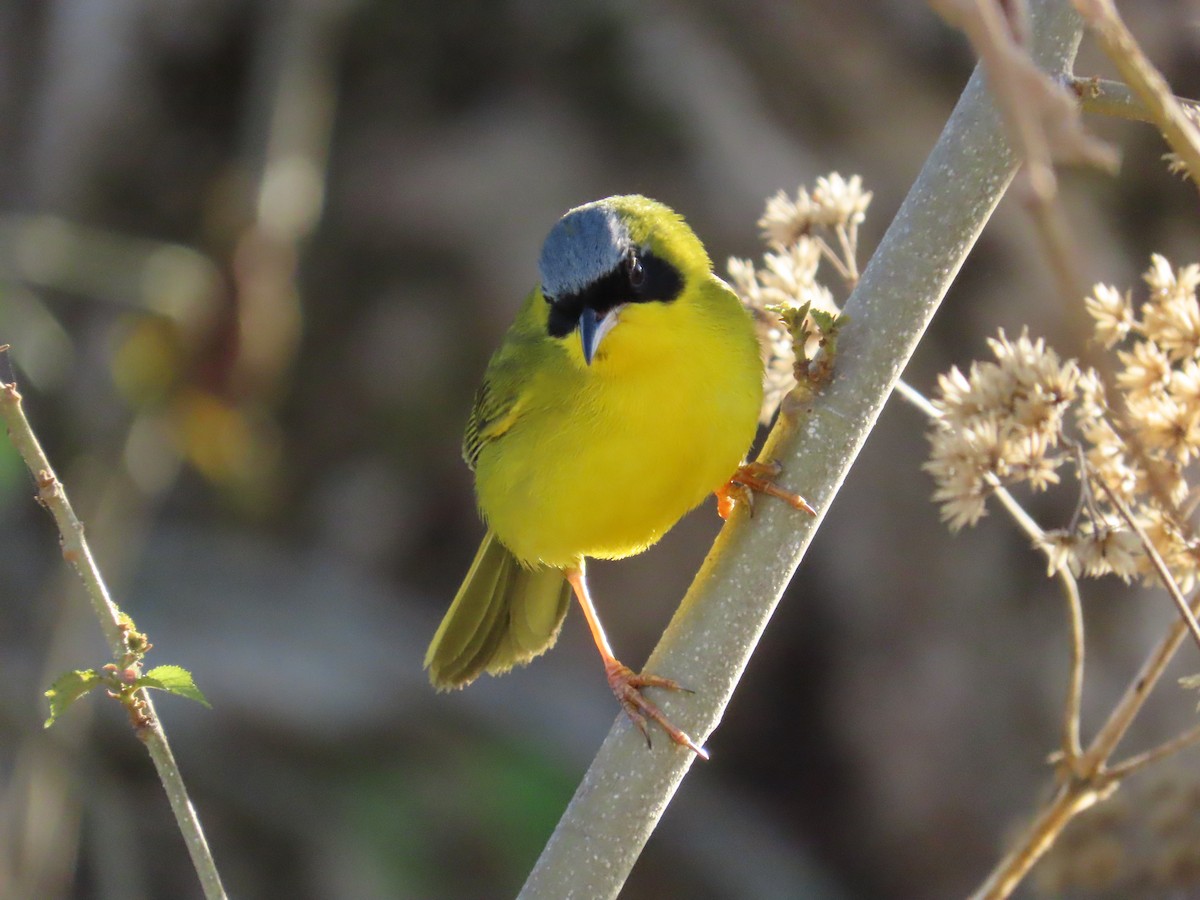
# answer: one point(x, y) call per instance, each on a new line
point(605, 460)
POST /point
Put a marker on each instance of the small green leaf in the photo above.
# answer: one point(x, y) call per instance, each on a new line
point(794, 319)
point(173, 680)
point(827, 322)
point(68, 688)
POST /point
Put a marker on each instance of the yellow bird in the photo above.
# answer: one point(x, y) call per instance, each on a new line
point(626, 391)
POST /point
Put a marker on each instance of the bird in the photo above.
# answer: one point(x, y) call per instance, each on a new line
point(626, 391)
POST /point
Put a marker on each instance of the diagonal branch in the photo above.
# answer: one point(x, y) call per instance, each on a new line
point(719, 622)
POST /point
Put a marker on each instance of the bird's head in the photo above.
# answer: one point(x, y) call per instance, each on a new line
point(616, 260)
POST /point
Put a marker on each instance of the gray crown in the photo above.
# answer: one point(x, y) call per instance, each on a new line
point(585, 244)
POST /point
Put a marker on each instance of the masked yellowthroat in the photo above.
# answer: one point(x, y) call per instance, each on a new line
point(626, 391)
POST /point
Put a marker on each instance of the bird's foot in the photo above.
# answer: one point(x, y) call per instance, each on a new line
point(627, 685)
point(756, 476)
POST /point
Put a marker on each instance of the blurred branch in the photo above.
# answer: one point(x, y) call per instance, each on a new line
point(293, 90)
point(1044, 123)
point(1146, 81)
point(162, 278)
point(1113, 98)
point(709, 641)
point(75, 549)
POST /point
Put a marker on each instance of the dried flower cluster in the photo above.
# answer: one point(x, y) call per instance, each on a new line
point(1000, 424)
point(795, 229)
point(1175, 163)
point(1006, 422)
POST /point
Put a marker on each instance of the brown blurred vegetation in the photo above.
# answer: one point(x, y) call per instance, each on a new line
point(253, 257)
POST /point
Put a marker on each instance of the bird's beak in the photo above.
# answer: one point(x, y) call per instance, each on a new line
point(592, 329)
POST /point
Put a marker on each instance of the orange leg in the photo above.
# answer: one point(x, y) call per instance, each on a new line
point(756, 476)
point(624, 682)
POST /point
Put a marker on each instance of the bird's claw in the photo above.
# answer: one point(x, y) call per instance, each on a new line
point(756, 476)
point(627, 686)
point(731, 495)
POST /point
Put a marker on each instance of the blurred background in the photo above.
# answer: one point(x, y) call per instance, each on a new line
point(253, 258)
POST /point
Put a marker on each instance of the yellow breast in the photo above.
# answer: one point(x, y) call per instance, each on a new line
point(603, 459)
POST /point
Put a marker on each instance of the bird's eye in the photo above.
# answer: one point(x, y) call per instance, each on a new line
point(633, 268)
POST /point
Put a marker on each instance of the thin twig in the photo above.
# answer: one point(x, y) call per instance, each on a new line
point(1160, 564)
point(1072, 798)
point(1148, 757)
point(1131, 702)
point(1057, 240)
point(1071, 746)
point(1106, 97)
point(917, 399)
point(1146, 81)
point(1073, 707)
point(51, 495)
point(834, 260)
point(849, 248)
point(1091, 781)
point(76, 551)
point(1085, 500)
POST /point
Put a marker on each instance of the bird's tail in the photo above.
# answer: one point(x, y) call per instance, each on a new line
point(503, 615)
